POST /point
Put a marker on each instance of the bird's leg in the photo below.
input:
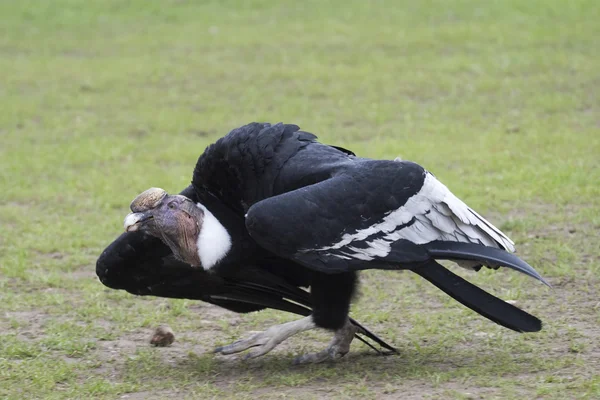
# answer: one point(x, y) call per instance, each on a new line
point(338, 348)
point(269, 339)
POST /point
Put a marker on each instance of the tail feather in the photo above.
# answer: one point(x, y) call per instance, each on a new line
point(477, 299)
point(483, 254)
point(373, 337)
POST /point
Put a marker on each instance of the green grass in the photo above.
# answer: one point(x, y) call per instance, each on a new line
point(100, 100)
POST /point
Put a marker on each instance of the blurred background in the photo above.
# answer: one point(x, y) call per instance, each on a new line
point(100, 100)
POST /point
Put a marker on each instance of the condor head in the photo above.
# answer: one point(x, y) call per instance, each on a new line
point(190, 230)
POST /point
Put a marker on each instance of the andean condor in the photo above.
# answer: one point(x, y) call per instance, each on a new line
point(271, 210)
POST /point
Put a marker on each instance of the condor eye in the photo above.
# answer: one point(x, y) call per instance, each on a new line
point(171, 205)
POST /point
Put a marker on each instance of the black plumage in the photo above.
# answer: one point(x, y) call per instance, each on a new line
point(282, 211)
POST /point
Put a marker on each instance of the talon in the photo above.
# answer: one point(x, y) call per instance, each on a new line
point(299, 360)
point(339, 347)
point(267, 340)
point(250, 356)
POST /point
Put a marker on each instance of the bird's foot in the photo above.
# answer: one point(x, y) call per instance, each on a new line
point(338, 348)
point(269, 339)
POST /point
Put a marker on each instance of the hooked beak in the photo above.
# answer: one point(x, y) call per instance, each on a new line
point(134, 220)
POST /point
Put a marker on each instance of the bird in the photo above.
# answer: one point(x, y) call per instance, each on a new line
point(271, 211)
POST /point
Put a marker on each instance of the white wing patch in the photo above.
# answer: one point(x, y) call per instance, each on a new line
point(438, 215)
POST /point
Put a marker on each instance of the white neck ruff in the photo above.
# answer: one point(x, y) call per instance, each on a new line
point(213, 242)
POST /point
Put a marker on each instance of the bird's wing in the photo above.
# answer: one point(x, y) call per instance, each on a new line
point(389, 216)
point(379, 217)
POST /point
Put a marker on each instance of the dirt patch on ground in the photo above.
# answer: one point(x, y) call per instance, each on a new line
point(82, 272)
point(27, 325)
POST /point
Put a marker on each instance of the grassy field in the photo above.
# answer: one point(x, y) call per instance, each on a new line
point(100, 100)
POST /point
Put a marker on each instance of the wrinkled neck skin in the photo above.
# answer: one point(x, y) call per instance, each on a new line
point(195, 236)
point(182, 236)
